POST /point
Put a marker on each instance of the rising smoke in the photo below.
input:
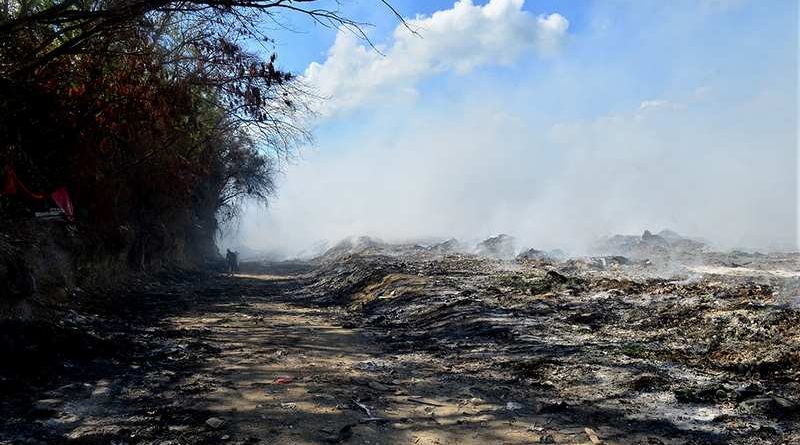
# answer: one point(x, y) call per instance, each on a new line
point(640, 119)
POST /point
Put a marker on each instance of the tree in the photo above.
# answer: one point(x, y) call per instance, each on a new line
point(161, 117)
point(156, 114)
point(199, 39)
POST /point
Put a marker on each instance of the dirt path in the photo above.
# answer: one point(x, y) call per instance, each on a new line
point(231, 360)
point(290, 375)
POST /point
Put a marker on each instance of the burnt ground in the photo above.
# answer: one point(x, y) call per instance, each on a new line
point(412, 346)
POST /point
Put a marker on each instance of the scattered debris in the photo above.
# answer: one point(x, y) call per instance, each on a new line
point(513, 406)
point(672, 343)
point(533, 254)
point(547, 438)
point(454, 343)
point(593, 436)
point(377, 386)
point(363, 407)
point(283, 380)
point(215, 422)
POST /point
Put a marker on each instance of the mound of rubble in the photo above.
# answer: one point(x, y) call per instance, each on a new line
point(715, 357)
point(501, 246)
point(665, 243)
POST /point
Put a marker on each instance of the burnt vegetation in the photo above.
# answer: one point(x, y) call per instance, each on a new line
point(159, 117)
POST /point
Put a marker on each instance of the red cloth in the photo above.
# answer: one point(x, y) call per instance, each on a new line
point(12, 185)
point(61, 197)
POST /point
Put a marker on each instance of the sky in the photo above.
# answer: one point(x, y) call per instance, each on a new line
point(555, 121)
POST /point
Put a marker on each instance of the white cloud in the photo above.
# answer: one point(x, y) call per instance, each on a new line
point(654, 103)
point(459, 39)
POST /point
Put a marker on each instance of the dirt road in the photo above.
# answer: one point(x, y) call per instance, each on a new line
point(229, 360)
point(254, 359)
point(292, 376)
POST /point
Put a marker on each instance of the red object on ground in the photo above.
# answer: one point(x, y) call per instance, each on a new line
point(284, 379)
point(12, 185)
point(61, 197)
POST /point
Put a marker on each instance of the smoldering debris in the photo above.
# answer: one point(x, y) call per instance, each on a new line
point(650, 245)
point(703, 352)
point(501, 246)
point(373, 340)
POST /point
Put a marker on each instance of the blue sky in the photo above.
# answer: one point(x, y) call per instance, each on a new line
point(305, 41)
point(557, 121)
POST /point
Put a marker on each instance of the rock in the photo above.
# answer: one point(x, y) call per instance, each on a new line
point(215, 422)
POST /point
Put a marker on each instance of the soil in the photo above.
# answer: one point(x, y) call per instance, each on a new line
point(408, 346)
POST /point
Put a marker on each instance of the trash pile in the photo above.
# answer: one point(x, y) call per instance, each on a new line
point(708, 352)
point(665, 243)
point(501, 246)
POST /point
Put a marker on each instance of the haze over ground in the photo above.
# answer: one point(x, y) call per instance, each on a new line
point(556, 122)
